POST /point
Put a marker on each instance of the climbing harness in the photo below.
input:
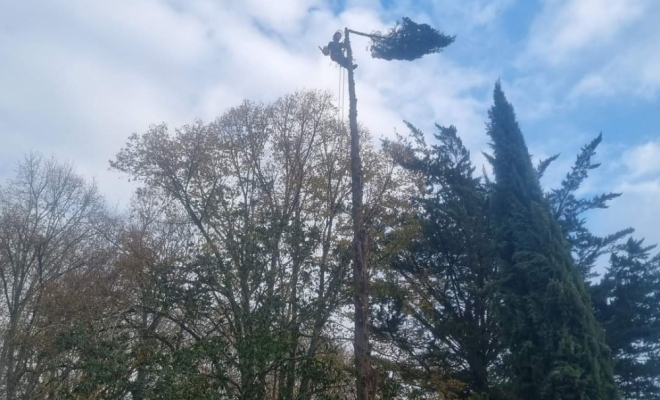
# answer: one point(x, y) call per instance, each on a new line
point(335, 49)
point(341, 91)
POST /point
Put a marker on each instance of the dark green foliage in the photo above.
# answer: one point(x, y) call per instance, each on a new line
point(440, 300)
point(557, 348)
point(226, 277)
point(95, 364)
point(544, 164)
point(408, 41)
point(568, 210)
point(626, 303)
point(631, 283)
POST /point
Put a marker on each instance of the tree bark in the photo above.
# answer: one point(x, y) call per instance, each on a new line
point(364, 386)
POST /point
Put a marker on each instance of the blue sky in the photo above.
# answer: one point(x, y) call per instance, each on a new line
point(77, 77)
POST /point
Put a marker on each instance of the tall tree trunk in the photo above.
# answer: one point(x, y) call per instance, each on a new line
point(364, 383)
point(11, 375)
point(7, 358)
point(3, 356)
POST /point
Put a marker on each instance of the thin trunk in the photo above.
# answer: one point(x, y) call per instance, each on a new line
point(479, 371)
point(8, 350)
point(3, 356)
point(10, 373)
point(364, 384)
point(366, 34)
point(290, 368)
point(322, 313)
point(137, 391)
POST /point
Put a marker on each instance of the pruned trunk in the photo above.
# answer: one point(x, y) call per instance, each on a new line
point(364, 383)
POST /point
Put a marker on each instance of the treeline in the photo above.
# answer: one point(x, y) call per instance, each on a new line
point(229, 275)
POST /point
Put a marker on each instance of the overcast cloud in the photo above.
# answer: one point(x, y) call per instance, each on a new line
point(78, 77)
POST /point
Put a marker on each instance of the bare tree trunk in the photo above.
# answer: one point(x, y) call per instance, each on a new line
point(364, 383)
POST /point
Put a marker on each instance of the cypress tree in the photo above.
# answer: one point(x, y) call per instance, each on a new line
point(626, 303)
point(569, 209)
point(407, 41)
point(557, 349)
point(439, 306)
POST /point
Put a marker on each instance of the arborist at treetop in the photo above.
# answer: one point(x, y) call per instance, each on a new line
point(335, 49)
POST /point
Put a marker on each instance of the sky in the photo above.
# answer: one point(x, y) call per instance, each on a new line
point(77, 77)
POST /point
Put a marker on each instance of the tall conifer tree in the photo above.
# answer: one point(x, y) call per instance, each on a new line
point(626, 303)
point(440, 305)
point(557, 349)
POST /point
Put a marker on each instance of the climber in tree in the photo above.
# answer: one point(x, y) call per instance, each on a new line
point(335, 50)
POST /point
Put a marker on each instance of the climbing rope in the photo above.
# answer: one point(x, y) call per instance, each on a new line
point(339, 99)
point(343, 92)
point(341, 95)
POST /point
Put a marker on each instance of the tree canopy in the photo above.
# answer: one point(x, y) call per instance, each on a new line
point(557, 349)
point(408, 41)
point(228, 276)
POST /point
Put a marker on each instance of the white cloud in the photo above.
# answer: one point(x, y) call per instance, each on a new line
point(592, 84)
point(632, 70)
point(639, 208)
point(281, 16)
point(566, 28)
point(78, 77)
point(469, 14)
point(643, 160)
point(635, 174)
point(484, 12)
point(596, 49)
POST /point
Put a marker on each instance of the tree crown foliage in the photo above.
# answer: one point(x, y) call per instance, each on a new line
point(228, 275)
point(408, 41)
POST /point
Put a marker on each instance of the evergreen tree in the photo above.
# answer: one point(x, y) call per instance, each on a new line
point(407, 41)
point(557, 349)
point(626, 303)
point(439, 307)
point(625, 300)
point(568, 209)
